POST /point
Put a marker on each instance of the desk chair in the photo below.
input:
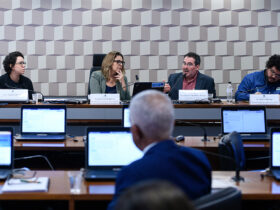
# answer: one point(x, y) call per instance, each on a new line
point(228, 198)
point(96, 65)
point(231, 145)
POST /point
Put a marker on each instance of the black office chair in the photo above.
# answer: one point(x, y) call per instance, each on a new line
point(232, 154)
point(224, 199)
point(96, 65)
point(231, 145)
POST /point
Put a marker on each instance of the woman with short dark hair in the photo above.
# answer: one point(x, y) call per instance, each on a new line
point(111, 78)
point(14, 66)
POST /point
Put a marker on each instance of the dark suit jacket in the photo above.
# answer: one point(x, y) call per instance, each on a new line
point(187, 168)
point(203, 82)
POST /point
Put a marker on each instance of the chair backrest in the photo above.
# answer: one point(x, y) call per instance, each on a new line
point(96, 65)
point(231, 145)
point(228, 198)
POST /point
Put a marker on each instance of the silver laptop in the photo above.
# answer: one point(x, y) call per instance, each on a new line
point(43, 122)
point(275, 152)
point(250, 122)
point(6, 152)
point(107, 150)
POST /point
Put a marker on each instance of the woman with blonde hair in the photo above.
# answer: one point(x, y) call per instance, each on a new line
point(111, 78)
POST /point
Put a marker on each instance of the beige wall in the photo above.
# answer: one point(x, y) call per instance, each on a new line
point(58, 37)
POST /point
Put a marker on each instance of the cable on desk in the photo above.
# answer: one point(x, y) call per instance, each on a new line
point(36, 156)
point(259, 158)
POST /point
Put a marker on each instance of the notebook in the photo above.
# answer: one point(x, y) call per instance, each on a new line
point(141, 86)
point(275, 153)
point(43, 122)
point(6, 152)
point(107, 150)
point(36, 184)
point(250, 122)
point(125, 117)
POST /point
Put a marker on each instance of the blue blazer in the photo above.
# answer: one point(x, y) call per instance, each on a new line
point(203, 82)
point(185, 167)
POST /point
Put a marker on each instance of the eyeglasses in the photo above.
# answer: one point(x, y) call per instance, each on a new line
point(119, 62)
point(187, 64)
point(20, 177)
point(21, 63)
point(274, 73)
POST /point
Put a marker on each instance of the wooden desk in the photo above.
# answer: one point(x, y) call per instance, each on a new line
point(254, 188)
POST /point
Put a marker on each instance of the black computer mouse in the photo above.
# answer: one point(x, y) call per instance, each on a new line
point(179, 138)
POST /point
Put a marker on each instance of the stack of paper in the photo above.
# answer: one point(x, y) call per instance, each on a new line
point(40, 184)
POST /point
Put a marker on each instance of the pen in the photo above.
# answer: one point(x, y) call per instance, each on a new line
point(30, 181)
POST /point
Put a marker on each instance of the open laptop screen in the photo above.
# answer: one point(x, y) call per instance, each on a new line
point(43, 119)
point(275, 148)
point(125, 117)
point(244, 120)
point(6, 145)
point(111, 148)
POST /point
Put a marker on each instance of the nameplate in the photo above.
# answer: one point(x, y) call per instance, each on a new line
point(264, 99)
point(100, 99)
point(17, 95)
point(193, 95)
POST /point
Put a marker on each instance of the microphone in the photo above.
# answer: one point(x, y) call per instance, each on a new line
point(237, 176)
point(172, 88)
point(251, 90)
point(195, 124)
point(132, 83)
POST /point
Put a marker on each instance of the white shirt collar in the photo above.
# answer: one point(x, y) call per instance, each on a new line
point(145, 150)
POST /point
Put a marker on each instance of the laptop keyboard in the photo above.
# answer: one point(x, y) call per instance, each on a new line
point(255, 137)
point(36, 137)
point(276, 174)
point(101, 174)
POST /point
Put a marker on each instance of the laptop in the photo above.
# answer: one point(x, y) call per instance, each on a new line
point(43, 122)
point(108, 149)
point(141, 86)
point(125, 116)
point(66, 99)
point(250, 122)
point(6, 152)
point(275, 153)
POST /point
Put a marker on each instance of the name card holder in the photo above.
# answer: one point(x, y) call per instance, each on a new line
point(104, 99)
point(264, 99)
point(14, 95)
point(193, 95)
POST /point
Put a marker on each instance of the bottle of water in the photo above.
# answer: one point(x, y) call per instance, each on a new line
point(229, 93)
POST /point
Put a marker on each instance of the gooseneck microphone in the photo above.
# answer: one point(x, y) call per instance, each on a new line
point(132, 83)
point(252, 90)
point(237, 177)
point(197, 125)
point(173, 86)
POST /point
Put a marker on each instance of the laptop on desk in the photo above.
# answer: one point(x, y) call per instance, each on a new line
point(107, 150)
point(249, 121)
point(141, 86)
point(125, 116)
point(6, 152)
point(275, 153)
point(43, 122)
